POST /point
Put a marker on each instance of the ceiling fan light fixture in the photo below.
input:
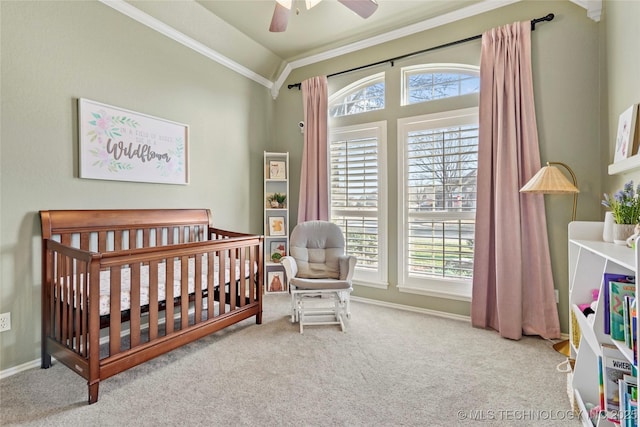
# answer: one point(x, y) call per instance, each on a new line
point(311, 3)
point(285, 3)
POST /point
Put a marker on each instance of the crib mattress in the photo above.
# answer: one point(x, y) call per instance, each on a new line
point(125, 282)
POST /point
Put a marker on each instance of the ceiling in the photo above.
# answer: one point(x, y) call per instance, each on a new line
point(235, 33)
point(328, 25)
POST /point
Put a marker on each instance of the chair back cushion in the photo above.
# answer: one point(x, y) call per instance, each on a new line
point(316, 246)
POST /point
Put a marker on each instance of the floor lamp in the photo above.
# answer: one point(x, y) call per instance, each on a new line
point(549, 180)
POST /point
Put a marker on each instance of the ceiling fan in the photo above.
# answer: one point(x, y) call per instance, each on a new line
point(280, 19)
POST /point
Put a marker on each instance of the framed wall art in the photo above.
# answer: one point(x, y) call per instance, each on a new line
point(627, 135)
point(122, 145)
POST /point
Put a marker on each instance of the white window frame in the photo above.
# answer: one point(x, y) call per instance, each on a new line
point(440, 287)
point(356, 86)
point(379, 278)
point(430, 69)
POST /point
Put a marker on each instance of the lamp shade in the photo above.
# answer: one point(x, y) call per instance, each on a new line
point(549, 180)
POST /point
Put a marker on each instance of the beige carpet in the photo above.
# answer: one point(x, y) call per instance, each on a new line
point(391, 368)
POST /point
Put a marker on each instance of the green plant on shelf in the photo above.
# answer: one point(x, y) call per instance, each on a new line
point(276, 200)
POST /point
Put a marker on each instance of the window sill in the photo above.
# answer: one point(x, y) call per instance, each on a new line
point(458, 294)
point(369, 284)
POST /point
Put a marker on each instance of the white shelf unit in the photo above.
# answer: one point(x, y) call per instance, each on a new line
point(276, 180)
point(589, 258)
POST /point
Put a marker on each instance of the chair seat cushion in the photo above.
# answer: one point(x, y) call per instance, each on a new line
point(301, 283)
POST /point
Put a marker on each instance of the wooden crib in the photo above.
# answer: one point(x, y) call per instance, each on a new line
point(120, 287)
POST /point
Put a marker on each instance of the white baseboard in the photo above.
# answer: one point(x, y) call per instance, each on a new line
point(414, 309)
point(17, 369)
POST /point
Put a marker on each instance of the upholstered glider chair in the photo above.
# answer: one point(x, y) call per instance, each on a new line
point(319, 274)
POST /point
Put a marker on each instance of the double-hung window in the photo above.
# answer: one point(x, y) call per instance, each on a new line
point(438, 160)
point(358, 189)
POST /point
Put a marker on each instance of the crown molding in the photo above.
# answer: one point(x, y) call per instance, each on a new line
point(593, 7)
point(428, 24)
point(164, 29)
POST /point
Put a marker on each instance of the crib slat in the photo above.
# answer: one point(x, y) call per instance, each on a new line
point(222, 260)
point(76, 306)
point(84, 241)
point(83, 308)
point(114, 310)
point(153, 300)
point(210, 288)
point(184, 292)
point(197, 317)
point(55, 298)
point(133, 234)
point(168, 283)
point(145, 237)
point(64, 302)
point(102, 241)
point(117, 240)
point(135, 312)
point(243, 279)
point(252, 275)
point(233, 291)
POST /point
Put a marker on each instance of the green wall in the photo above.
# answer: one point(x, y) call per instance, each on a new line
point(52, 53)
point(565, 55)
point(621, 78)
point(56, 52)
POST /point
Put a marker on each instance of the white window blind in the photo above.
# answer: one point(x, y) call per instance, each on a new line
point(358, 195)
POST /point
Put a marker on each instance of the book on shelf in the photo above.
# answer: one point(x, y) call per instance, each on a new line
point(628, 392)
point(618, 290)
point(614, 367)
point(629, 313)
point(610, 277)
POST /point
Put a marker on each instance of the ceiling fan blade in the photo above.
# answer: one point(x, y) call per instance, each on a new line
point(280, 19)
point(364, 8)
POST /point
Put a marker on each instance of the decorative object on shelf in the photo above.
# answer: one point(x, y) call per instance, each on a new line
point(549, 180)
point(631, 240)
point(621, 232)
point(276, 200)
point(277, 170)
point(275, 282)
point(607, 233)
point(626, 138)
point(278, 250)
point(276, 226)
point(625, 208)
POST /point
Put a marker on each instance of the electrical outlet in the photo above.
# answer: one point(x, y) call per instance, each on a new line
point(5, 322)
point(557, 296)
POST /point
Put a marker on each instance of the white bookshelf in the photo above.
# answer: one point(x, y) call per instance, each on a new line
point(276, 180)
point(589, 258)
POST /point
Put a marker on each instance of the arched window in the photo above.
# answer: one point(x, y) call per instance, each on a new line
point(364, 95)
point(422, 83)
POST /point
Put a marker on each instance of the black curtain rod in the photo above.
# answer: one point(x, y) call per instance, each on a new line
point(549, 17)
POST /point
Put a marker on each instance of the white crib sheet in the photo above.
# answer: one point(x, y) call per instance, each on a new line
point(125, 284)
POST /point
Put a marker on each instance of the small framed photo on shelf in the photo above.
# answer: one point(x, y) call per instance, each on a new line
point(277, 226)
point(277, 170)
point(627, 135)
point(275, 282)
point(278, 249)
